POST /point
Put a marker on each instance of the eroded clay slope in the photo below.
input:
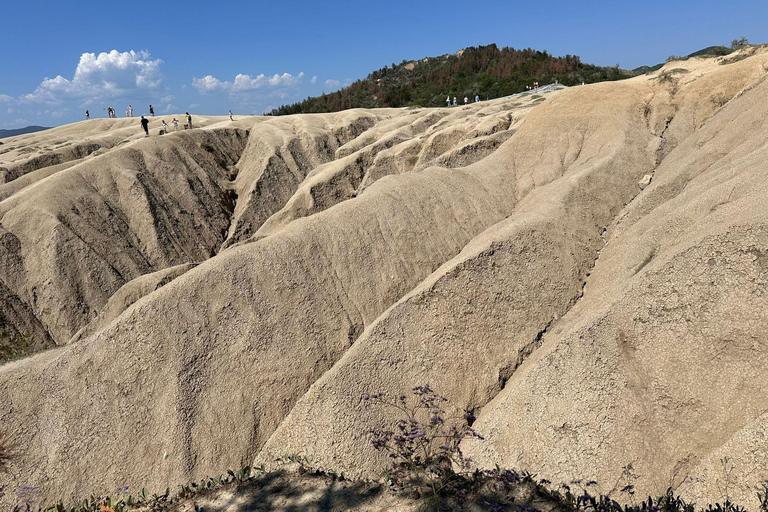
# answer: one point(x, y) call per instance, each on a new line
point(664, 356)
point(398, 247)
point(72, 239)
point(642, 371)
point(206, 367)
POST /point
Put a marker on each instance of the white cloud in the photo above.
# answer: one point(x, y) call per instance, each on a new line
point(106, 75)
point(333, 84)
point(4, 98)
point(314, 80)
point(243, 83)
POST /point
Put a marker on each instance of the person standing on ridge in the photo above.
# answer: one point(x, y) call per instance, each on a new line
point(151, 111)
point(145, 125)
point(230, 115)
point(165, 128)
point(130, 110)
point(454, 101)
point(448, 100)
point(87, 115)
point(466, 100)
point(477, 98)
point(189, 122)
point(175, 124)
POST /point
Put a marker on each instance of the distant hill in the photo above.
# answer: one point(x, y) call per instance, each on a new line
point(486, 71)
point(22, 131)
point(709, 51)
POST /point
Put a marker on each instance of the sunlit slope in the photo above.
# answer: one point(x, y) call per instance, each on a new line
point(250, 280)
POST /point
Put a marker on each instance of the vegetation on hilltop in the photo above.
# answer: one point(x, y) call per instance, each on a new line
point(486, 71)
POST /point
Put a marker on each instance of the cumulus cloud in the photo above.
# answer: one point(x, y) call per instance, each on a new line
point(243, 83)
point(106, 75)
point(314, 80)
point(4, 98)
point(333, 84)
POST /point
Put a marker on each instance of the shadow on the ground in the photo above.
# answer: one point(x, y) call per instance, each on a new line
point(285, 491)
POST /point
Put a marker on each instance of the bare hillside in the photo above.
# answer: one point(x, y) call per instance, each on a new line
point(583, 267)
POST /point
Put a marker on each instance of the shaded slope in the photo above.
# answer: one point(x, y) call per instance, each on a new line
point(74, 238)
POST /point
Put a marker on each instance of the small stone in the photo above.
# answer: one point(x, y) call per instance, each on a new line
point(645, 181)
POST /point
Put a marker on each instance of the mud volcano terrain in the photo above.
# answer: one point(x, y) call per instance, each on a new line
point(585, 268)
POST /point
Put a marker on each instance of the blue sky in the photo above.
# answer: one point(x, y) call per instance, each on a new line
point(59, 57)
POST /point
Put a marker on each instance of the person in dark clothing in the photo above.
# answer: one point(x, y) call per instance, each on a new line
point(87, 114)
point(145, 125)
point(189, 121)
point(151, 111)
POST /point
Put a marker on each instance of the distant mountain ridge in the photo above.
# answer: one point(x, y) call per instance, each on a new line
point(21, 131)
point(486, 71)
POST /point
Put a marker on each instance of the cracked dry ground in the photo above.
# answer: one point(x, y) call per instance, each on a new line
point(226, 295)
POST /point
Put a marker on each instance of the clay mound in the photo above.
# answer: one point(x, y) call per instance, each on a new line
point(600, 327)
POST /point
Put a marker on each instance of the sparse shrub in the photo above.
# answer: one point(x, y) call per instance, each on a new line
point(425, 446)
point(738, 43)
point(762, 496)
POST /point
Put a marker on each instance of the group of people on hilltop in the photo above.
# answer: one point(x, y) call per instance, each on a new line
point(113, 115)
point(145, 122)
point(164, 129)
point(174, 122)
point(455, 102)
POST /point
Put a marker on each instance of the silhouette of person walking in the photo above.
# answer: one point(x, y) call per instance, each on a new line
point(145, 125)
point(87, 115)
point(151, 111)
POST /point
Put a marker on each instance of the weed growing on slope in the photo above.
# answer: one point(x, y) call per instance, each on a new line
point(425, 446)
point(426, 459)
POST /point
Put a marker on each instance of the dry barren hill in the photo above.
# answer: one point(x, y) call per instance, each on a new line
point(585, 268)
